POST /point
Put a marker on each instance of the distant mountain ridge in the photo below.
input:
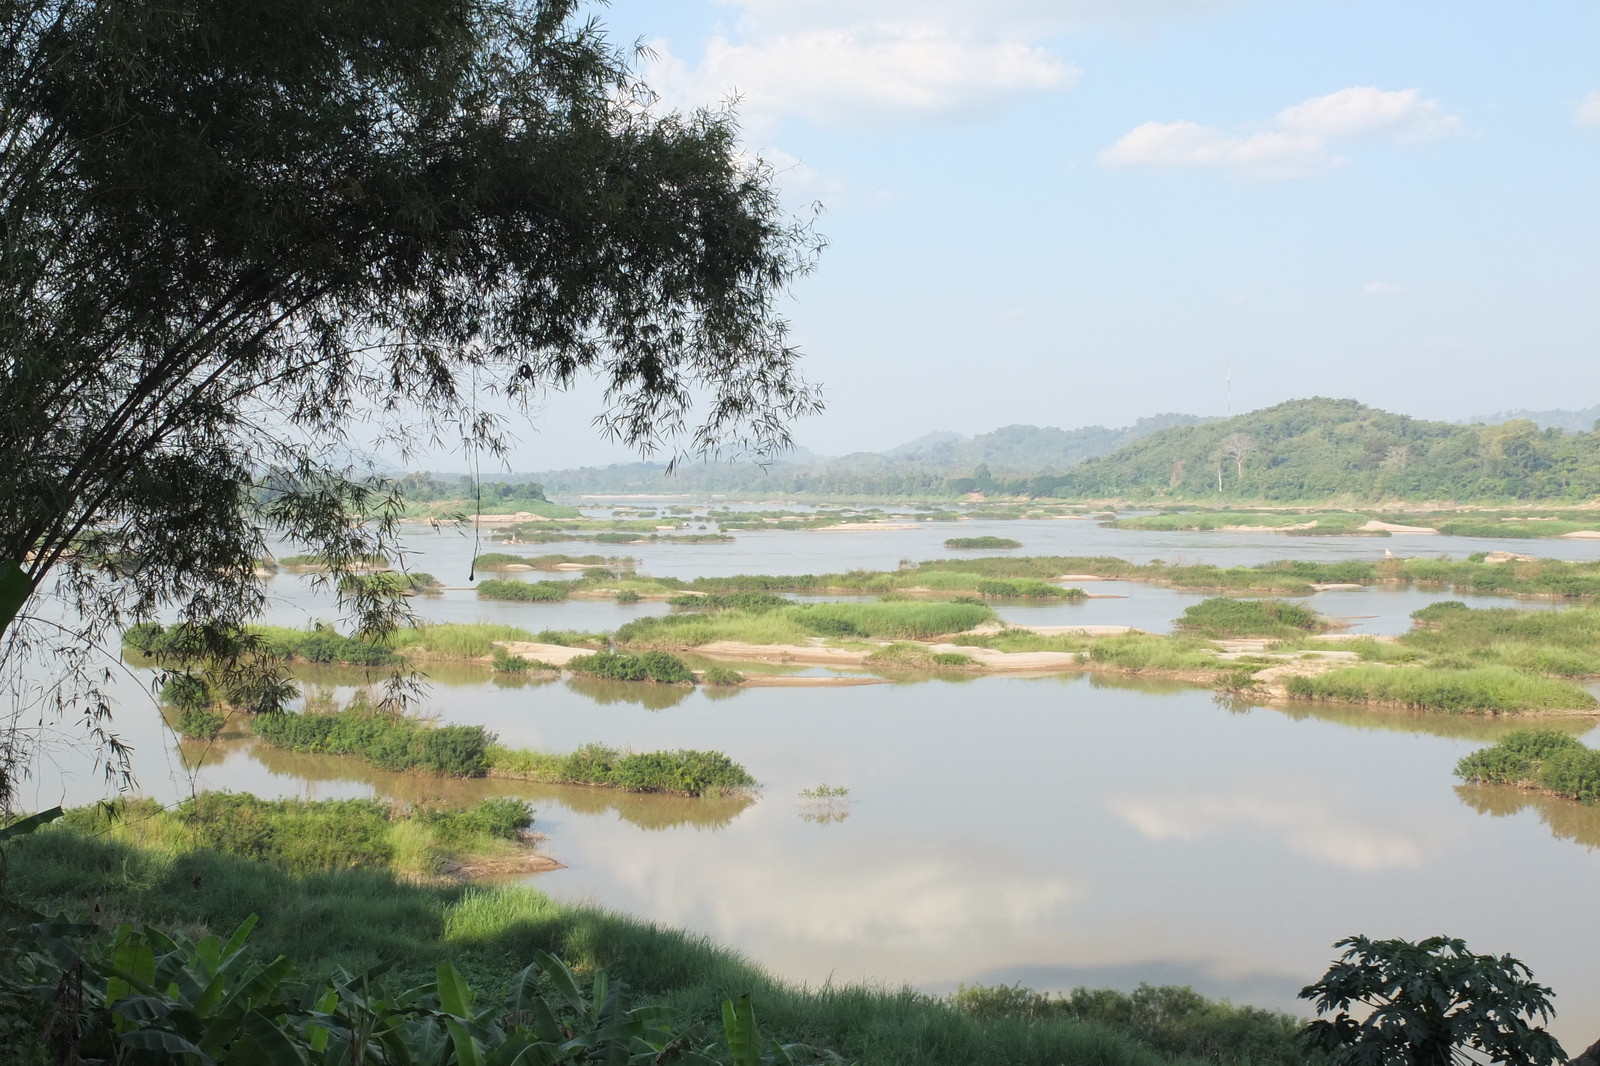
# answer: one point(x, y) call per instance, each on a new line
point(1580, 421)
point(918, 467)
point(1311, 450)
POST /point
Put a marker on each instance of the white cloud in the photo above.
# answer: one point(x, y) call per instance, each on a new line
point(1588, 111)
point(1301, 138)
point(1365, 111)
point(1379, 288)
point(891, 61)
point(1189, 144)
point(862, 75)
point(1302, 817)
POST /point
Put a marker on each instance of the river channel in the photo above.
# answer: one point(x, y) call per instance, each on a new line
point(1055, 831)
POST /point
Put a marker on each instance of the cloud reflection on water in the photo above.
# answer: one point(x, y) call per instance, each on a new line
point(1303, 816)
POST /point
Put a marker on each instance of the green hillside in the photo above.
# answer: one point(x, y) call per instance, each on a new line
point(1320, 449)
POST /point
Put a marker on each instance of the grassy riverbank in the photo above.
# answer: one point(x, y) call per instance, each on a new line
point(305, 837)
point(359, 918)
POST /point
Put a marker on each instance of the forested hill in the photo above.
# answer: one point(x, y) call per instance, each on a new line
point(1320, 449)
point(923, 467)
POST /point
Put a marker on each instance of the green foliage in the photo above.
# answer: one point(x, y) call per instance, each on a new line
point(752, 601)
point(1538, 758)
point(359, 919)
point(1429, 1003)
point(618, 666)
point(456, 640)
point(498, 561)
point(628, 596)
point(692, 773)
point(388, 742)
point(569, 638)
point(1473, 690)
point(795, 623)
point(138, 996)
point(981, 543)
point(506, 663)
point(1222, 616)
point(197, 723)
point(524, 591)
point(1176, 1019)
point(716, 674)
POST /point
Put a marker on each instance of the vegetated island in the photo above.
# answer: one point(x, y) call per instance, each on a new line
point(981, 543)
point(938, 617)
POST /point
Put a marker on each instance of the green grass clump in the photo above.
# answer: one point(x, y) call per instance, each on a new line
point(570, 638)
point(1479, 690)
point(506, 663)
point(892, 621)
point(691, 773)
point(319, 644)
point(1562, 643)
point(753, 601)
point(619, 666)
point(981, 543)
point(198, 723)
point(1174, 1018)
point(716, 674)
point(386, 741)
point(456, 640)
point(323, 644)
point(312, 836)
point(1221, 616)
point(524, 591)
point(498, 561)
point(797, 623)
point(317, 562)
point(1538, 758)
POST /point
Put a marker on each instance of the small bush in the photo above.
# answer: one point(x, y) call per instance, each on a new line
point(1542, 758)
point(628, 596)
point(524, 591)
point(752, 601)
point(385, 741)
point(506, 663)
point(1223, 616)
point(721, 675)
point(981, 543)
point(620, 666)
point(199, 724)
point(187, 692)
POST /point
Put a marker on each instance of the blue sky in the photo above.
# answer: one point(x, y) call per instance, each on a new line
point(1081, 212)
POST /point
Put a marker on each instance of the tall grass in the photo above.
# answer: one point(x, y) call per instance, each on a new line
point(359, 918)
point(456, 640)
point(404, 744)
point(1478, 690)
point(691, 773)
point(797, 623)
point(313, 836)
point(1538, 758)
point(524, 591)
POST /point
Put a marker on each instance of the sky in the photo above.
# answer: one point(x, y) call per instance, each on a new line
point(1085, 211)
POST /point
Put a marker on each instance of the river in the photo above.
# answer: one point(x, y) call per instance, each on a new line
point(1055, 831)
